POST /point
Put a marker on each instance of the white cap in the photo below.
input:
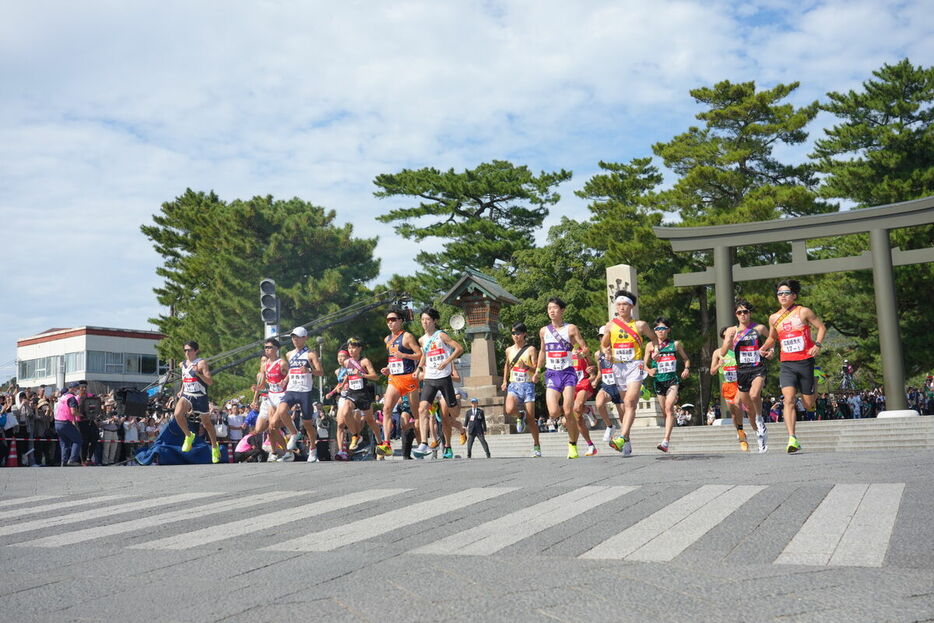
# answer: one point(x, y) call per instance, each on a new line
point(300, 332)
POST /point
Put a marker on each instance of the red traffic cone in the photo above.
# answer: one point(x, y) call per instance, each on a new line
point(13, 459)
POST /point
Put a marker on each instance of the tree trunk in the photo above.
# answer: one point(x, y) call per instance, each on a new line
point(703, 401)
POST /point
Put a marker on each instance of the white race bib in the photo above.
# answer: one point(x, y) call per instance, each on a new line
point(557, 359)
point(666, 364)
point(749, 354)
point(607, 376)
point(729, 374)
point(793, 344)
point(435, 357)
point(355, 383)
point(520, 376)
point(624, 351)
point(396, 365)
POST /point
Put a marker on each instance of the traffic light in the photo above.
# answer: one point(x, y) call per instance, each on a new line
point(268, 302)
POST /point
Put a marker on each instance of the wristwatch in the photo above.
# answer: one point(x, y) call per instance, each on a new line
point(818, 344)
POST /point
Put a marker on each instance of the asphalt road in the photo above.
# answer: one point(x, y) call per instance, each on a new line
point(707, 537)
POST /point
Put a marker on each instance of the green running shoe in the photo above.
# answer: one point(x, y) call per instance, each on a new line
point(617, 443)
point(215, 454)
point(793, 445)
point(189, 439)
point(572, 451)
point(448, 453)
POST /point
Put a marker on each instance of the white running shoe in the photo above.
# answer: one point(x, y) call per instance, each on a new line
point(287, 457)
point(312, 457)
point(421, 451)
point(536, 452)
point(293, 443)
point(762, 437)
point(608, 433)
point(627, 448)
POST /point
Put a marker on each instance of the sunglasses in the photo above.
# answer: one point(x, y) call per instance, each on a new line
point(662, 328)
point(268, 346)
point(518, 333)
point(784, 293)
point(742, 311)
point(188, 349)
point(392, 319)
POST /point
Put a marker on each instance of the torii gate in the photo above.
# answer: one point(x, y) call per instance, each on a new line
point(881, 258)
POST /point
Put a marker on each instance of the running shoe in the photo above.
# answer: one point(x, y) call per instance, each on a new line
point(591, 450)
point(793, 445)
point(663, 446)
point(421, 451)
point(384, 449)
point(341, 456)
point(189, 439)
point(448, 453)
point(215, 454)
point(520, 425)
point(433, 444)
point(354, 442)
point(743, 444)
point(627, 448)
point(762, 438)
point(312, 457)
point(608, 433)
point(617, 443)
point(463, 438)
point(287, 457)
point(572, 451)
point(536, 452)
point(293, 442)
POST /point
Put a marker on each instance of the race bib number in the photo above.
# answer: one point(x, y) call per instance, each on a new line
point(607, 376)
point(666, 364)
point(624, 351)
point(396, 365)
point(729, 374)
point(355, 383)
point(580, 375)
point(557, 359)
point(749, 354)
point(520, 375)
point(435, 357)
point(793, 344)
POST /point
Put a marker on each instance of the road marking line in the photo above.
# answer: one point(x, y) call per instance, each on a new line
point(817, 538)
point(220, 532)
point(679, 537)
point(632, 538)
point(355, 531)
point(97, 513)
point(88, 534)
point(29, 500)
point(492, 536)
point(16, 514)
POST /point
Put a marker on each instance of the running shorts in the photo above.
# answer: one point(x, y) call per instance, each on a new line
point(559, 379)
point(628, 372)
point(728, 391)
point(744, 378)
point(274, 398)
point(798, 374)
point(404, 383)
point(525, 392)
point(199, 403)
point(613, 392)
point(303, 400)
point(584, 386)
point(661, 387)
point(431, 388)
point(362, 400)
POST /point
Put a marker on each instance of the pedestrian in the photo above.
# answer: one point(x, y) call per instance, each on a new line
point(475, 423)
point(66, 418)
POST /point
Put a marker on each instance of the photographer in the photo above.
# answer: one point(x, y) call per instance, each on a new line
point(88, 411)
point(110, 426)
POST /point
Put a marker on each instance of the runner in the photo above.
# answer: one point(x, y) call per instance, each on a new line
point(439, 351)
point(662, 366)
point(558, 340)
point(744, 340)
point(346, 423)
point(587, 375)
point(623, 338)
point(408, 425)
point(272, 380)
point(517, 382)
point(608, 391)
point(725, 365)
point(404, 353)
point(791, 326)
point(359, 376)
point(303, 364)
point(193, 398)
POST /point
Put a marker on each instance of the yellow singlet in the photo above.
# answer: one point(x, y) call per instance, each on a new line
point(624, 347)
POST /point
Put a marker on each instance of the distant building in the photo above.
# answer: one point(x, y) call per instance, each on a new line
point(106, 358)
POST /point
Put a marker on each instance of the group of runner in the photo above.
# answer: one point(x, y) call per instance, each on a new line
point(420, 370)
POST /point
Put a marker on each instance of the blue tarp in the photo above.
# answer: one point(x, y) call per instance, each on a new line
point(168, 447)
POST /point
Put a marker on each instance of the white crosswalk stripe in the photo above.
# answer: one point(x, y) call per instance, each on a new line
point(492, 536)
point(363, 529)
point(250, 525)
point(669, 531)
point(44, 508)
point(97, 513)
point(185, 514)
point(851, 527)
point(29, 500)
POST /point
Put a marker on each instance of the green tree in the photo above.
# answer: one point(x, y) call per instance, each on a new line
point(727, 173)
point(215, 253)
point(880, 151)
point(482, 215)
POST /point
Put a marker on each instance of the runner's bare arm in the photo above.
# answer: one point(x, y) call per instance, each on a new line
point(317, 369)
point(647, 331)
point(575, 335)
point(605, 340)
point(457, 349)
point(727, 341)
point(540, 362)
point(411, 343)
point(371, 374)
point(506, 368)
point(647, 357)
point(684, 358)
point(205, 373)
point(818, 324)
point(762, 330)
point(770, 340)
point(715, 362)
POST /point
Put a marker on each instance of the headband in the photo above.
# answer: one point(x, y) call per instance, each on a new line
point(624, 299)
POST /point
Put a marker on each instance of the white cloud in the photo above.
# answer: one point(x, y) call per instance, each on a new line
point(109, 108)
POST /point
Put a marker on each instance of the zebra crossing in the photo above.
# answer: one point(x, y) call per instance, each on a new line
point(850, 525)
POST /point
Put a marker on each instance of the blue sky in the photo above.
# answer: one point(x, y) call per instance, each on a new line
point(110, 108)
